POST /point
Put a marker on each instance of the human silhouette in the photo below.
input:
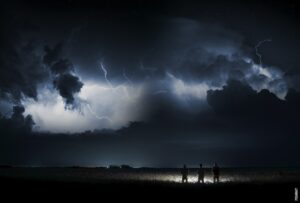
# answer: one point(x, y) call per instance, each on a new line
point(184, 173)
point(216, 173)
point(200, 174)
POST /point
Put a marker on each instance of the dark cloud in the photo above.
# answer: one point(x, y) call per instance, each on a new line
point(239, 99)
point(63, 70)
point(216, 70)
point(270, 119)
point(28, 123)
point(293, 100)
point(21, 68)
point(62, 66)
point(17, 123)
point(17, 115)
point(67, 85)
point(52, 54)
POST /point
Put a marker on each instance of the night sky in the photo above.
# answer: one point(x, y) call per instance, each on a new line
point(150, 83)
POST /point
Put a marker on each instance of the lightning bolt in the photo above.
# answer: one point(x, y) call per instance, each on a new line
point(256, 49)
point(105, 72)
point(105, 75)
point(96, 116)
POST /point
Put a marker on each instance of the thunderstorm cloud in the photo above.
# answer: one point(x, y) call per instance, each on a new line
point(199, 81)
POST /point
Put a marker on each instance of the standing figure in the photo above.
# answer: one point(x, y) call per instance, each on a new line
point(184, 173)
point(200, 174)
point(216, 172)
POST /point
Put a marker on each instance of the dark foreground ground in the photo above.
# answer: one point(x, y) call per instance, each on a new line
point(45, 184)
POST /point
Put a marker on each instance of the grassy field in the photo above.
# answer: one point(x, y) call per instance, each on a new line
point(151, 184)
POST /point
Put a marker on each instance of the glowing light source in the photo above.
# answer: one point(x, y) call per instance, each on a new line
point(186, 91)
point(99, 107)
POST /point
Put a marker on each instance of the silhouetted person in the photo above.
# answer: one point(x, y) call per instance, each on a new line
point(216, 172)
point(184, 173)
point(200, 174)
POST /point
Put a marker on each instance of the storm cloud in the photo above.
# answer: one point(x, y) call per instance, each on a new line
point(149, 83)
point(63, 71)
point(67, 85)
point(21, 66)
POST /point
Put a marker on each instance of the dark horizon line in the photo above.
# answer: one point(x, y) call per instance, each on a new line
point(125, 166)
